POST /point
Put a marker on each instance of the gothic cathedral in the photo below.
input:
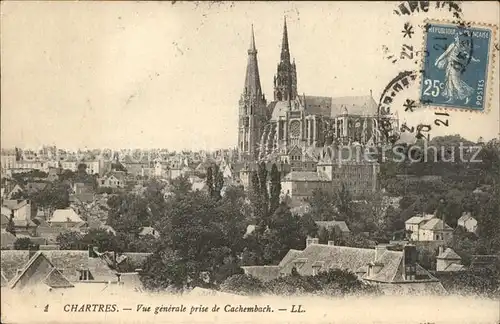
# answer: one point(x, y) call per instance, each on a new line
point(294, 126)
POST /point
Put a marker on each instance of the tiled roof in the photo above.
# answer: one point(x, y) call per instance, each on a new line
point(67, 261)
point(415, 220)
point(436, 224)
point(305, 176)
point(280, 108)
point(454, 267)
point(392, 261)
point(355, 105)
point(132, 281)
point(449, 254)
point(263, 273)
point(465, 217)
point(332, 224)
point(13, 204)
point(65, 215)
point(341, 257)
point(291, 255)
point(56, 280)
point(315, 105)
point(32, 271)
point(23, 223)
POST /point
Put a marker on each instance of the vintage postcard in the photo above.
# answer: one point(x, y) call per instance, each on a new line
point(250, 162)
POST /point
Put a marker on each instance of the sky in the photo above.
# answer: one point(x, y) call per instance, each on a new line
point(162, 75)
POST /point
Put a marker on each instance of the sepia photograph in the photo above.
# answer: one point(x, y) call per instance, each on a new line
point(250, 162)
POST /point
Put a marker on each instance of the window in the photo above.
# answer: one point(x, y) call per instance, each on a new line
point(85, 275)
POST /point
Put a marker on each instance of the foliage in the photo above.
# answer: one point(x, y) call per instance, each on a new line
point(210, 182)
point(25, 243)
point(204, 236)
point(70, 241)
point(275, 189)
point(323, 205)
point(128, 213)
point(242, 284)
point(292, 285)
point(484, 282)
point(219, 183)
point(10, 228)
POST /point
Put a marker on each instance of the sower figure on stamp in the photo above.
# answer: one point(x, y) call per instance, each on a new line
point(454, 60)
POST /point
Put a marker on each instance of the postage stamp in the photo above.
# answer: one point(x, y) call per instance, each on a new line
point(457, 68)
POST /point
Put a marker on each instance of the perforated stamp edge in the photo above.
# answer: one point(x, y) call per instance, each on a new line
point(490, 69)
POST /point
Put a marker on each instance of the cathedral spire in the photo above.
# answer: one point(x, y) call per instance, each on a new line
point(285, 51)
point(252, 79)
point(252, 49)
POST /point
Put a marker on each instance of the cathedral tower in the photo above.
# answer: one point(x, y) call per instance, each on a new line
point(252, 108)
point(285, 81)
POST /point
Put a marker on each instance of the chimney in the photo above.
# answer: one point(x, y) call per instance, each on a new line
point(440, 250)
point(118, 276)
point(410, 262)
point(379, 250)
point(374, 268)
point(91, 251)
point(331, 243)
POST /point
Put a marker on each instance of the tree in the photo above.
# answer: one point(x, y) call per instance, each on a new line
point(219, 183)
point(25, 243)
point(242, 284)
point(204, 237)
point(10, 226)
point(323, 205)
point(129, 213)
point(275, 189)
point(210, 182)
point(101, 239)
point(263, 188)
point(70, 241)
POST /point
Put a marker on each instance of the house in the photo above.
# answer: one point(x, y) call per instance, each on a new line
point(39, 271)
point(148, 230)
point(114, 180)
point(20, 211)
point(27, 268)
point(427, 227)
point(435, 230)
point(394, 272)
point(65, 218)
point(448, 260)
point(468, 222)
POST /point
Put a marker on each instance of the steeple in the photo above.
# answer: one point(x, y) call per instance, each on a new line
point(252, 108)
point(285, 51)
point(285, 81)
point(252, 79)
point(252, 49)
